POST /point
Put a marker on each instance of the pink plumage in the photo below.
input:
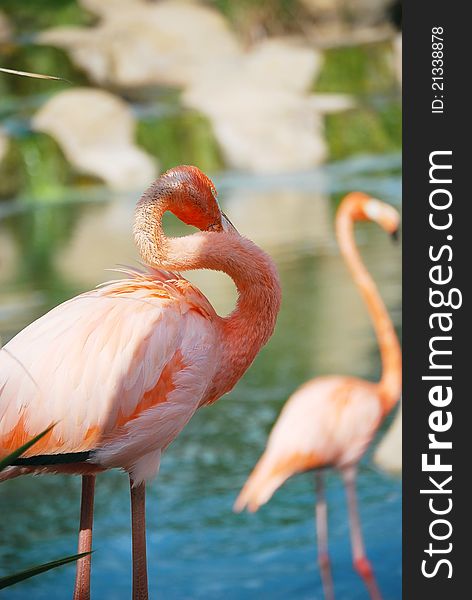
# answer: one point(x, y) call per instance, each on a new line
point(113, 368)
point(330, 421)
point(120, 370)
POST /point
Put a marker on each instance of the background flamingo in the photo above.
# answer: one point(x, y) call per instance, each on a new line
point(330, 421)
point(122, 369)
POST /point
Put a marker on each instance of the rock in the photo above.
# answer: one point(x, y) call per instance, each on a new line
point(95, 130)
point(140, 43)
point(262, 130)
point(367, 12)
point(262, 114)
point(258, 101)
point(388, 455)
point(347, 12)
point(323, 10)
point(337, 23)
point(109, 7)
point(281, 63)
point(5, 28)
point(327, 104)
point(3, 145)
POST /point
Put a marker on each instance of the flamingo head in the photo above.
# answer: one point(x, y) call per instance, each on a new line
point(193, 199)
point(365, 208)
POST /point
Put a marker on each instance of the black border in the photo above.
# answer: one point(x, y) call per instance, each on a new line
point(424, 132)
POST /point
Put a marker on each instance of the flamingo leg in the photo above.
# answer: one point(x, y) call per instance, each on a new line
point(138, 527)
point(322, 535)
point(82, 577)
point(361, 562)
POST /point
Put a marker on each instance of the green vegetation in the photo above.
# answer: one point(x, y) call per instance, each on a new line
point(359, 70)
point(12, 175)
point(365, 72)
point(40, 235)
point(34, 166)
point(364, 130)
point(33, 15)
point(272, 16)
point(8, 460)
point(184, 138)
point(9, 580)
point(36, 59)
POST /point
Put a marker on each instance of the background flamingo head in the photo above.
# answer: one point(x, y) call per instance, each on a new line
point(193, 199)
point(363, 207)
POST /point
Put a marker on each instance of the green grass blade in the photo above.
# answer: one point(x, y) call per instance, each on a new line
point(5, 462)
point(22, 575)
point(34, 75)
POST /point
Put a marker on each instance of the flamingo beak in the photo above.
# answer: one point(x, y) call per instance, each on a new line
point(227, 225)
point(395, 235)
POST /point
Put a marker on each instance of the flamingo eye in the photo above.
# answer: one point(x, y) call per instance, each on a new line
point(214, 194)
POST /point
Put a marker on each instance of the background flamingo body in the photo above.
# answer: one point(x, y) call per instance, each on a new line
point(315, 429)
point(330, 421)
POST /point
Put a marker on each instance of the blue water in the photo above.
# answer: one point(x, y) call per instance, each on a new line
point(197, 547)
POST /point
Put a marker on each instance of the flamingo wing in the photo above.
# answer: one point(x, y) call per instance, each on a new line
point(119, 370)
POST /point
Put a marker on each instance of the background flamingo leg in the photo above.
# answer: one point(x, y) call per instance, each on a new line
point(138, 527)
point(322, 535)
point(82, 577)
point(361, 562)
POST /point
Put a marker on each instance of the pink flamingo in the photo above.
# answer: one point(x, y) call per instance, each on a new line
point(330, 421)
point(121, 370)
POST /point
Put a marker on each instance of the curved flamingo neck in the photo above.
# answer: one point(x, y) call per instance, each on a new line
point(390, 382)
point(252, 321)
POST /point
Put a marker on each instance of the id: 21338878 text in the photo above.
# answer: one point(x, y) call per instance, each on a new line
point(437, 69)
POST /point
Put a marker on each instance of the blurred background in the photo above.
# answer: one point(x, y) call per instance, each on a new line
point(287, 105)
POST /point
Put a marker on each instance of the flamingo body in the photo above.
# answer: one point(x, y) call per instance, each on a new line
point(329, 421)
point(120, 370)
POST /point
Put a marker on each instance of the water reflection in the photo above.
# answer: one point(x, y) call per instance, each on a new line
point(198, 548)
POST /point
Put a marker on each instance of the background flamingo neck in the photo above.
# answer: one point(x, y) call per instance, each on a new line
point(390, 383)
